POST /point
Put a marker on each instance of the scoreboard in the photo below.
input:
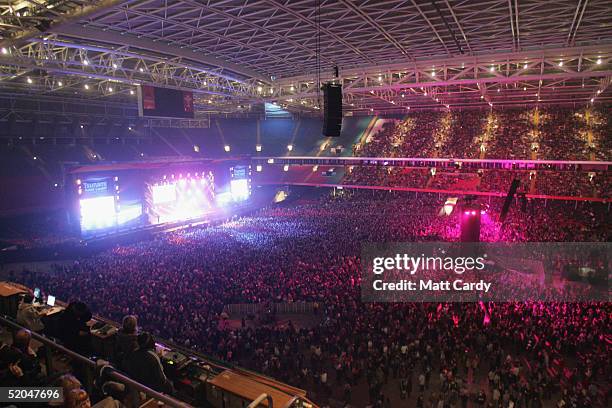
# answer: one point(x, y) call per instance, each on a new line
point(164, 102)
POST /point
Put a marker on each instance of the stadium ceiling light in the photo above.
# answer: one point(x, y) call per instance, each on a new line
point(525, 66)
point(290, 147)
point(403, 95)
point(433, 73)
point(59, 83)
point(425, 93)
point(598, 91)
point(258, 148)
point(131, 92)
point(141, 69)
point(110, 89)
point(524, 88)
point(598, 62)
point(86, 86)
point(292, 88)
point(492, 69)
point(259, 167)
point(29, 80)
point(259, 89)
point(35, 158)
point(129, 128)
point(4, 51)
point(481, 96)
point(226, 148)
point(560, 63)
point(82, 126)
point(114, 66)
point(85, 62)
point(592, 100)
point(498, 89)
point(371, 109)
point(204, 83)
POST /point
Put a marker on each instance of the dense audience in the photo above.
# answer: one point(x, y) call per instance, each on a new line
point(527, 354)
point(536, 134)
point(427, 355)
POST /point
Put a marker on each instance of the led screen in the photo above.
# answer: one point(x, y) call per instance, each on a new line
point(164, 194)
point(97, 212)
point(240, 189)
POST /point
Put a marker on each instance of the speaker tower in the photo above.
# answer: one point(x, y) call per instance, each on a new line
point(332, 109)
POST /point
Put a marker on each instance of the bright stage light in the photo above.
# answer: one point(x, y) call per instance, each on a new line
point(224, 199)
point(163, 194)
point(240, 189)
point(226, 148)
point(129, 213)
point(97, 212)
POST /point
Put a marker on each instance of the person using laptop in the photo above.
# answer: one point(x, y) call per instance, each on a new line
point(28, 316)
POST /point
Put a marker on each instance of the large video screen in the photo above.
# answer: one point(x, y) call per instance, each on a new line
point(180, 199)
point(97, 213)
point(165, 103)
point(107, 202)
point(240, 189)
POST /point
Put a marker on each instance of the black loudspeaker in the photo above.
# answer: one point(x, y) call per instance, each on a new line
point(504, 211)
point(332, 109)
point(470, 225)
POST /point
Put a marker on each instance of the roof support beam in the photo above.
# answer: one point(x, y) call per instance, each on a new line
point(110, 37)
point(432, 27)
point(88, 11)
point(349, 4)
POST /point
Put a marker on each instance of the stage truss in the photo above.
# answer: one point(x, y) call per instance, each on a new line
point(392, 54)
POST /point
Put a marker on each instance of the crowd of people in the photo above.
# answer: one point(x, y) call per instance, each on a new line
point(534, 134)
point(528, 354)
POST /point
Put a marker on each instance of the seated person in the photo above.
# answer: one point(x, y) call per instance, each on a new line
point(19, 364)
point(145, 366)
point(28, 316)
point(74, 332)
point(67, 382)
point(126, 340)
point(77, 398)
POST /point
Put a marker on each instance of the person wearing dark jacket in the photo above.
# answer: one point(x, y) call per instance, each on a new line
point(145, 366)
point(74, 332)
point(126, 340)
point(19, 364)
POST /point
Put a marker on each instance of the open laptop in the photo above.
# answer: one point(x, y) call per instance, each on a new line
point(51, 300)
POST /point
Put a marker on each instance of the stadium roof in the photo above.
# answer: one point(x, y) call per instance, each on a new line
point(392, 55)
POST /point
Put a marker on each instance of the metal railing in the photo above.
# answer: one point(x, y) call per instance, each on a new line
point(92, 366)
